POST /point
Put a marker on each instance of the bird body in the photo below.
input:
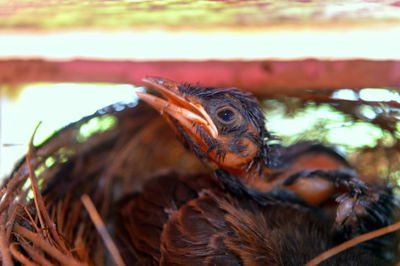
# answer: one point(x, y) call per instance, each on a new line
point(264, 205)
point(207, 220)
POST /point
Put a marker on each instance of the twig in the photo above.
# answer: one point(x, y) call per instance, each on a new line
point(38, 240)
point(98, 222)
point(39, 204)
point(11, 186)
point(80, 244)
point(44, 218)
point(35, 255)
point(28, 219)
point(4, 249)
point(60, 216)
point(352, 242)
point(73, 218)
point(20, 257)
point(13, 213)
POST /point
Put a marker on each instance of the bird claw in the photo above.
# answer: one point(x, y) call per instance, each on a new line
point(362, 205)
point(363, 208)
point(353, 206)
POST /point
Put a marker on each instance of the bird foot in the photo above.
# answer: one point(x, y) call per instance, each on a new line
point(355, 204)
point(361, 206)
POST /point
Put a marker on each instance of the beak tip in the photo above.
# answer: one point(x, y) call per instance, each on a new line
point(160, 83)
point(154, 80)
point(214, 134)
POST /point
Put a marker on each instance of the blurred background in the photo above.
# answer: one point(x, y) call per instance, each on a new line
point(324, 70)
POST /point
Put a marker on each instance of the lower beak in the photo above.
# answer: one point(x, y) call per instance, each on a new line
point(187, 113)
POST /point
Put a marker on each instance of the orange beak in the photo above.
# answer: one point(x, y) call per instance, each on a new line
point(181, 108)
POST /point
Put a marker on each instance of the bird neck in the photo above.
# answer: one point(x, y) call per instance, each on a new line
point(255, 171)
point(254, 175)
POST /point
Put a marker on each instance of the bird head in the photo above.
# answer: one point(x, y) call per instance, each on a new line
point(223, 127)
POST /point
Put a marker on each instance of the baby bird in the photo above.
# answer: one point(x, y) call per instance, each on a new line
point(262, 205)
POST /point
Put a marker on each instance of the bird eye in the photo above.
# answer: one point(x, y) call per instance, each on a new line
point(226, 115)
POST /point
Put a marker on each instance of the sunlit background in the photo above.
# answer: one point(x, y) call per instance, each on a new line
point(67, 103)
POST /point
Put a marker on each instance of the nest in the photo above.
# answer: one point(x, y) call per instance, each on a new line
point(52, 202)
point(58, 205)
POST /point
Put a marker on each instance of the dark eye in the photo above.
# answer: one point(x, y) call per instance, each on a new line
point(226, 115)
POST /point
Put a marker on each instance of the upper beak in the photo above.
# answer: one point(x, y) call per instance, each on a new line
point(178, 106)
